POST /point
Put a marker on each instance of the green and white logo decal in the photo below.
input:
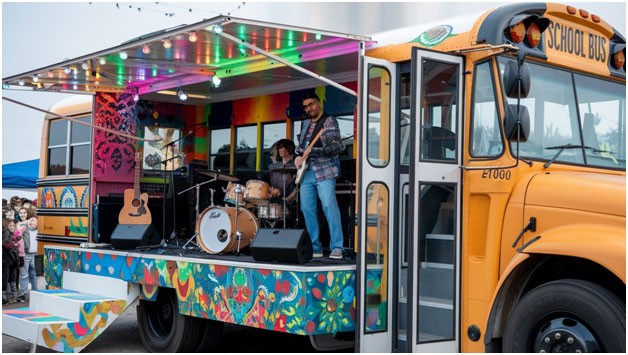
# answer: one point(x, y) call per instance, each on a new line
point(434, 35)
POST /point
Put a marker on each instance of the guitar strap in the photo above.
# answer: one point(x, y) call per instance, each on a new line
point(319, 125)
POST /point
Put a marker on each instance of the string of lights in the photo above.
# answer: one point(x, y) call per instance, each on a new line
point(146, 8)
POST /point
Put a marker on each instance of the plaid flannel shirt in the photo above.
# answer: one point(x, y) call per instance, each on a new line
point(323, 158)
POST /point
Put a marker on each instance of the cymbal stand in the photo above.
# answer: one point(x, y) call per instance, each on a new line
point(238, 191)
point(211, 200)
point(284, 201)
point(196, 207)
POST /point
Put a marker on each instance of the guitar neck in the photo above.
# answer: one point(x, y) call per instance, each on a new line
point(136, 180)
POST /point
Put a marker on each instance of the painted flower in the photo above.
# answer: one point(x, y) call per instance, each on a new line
point(242, 295)
point(219, 270)
point(347, 294)
point(310, 326)
point(332, 305)
point(280, 324)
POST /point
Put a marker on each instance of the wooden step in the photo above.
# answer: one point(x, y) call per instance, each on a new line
point(67, 320)
point(25, 323)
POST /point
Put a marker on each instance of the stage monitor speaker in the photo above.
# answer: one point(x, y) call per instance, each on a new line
point(282, 245)
point(129, 236)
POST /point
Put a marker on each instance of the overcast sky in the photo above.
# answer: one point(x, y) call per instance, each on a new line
point(39, 34)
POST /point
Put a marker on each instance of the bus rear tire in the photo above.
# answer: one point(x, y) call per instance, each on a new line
point(163, 328)
point(567, 316)
point(210, 332)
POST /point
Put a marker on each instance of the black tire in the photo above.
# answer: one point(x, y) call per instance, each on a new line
point(163, 328)
point(209, 335)
point(567, 316)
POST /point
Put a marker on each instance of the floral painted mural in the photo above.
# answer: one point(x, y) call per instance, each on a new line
point(296, 302)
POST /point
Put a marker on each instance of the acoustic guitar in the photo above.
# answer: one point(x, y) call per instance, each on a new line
point(135, 209)
point(306, 154)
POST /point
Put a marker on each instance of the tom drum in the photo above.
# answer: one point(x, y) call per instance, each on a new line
point(257, 192)
point(235, 192)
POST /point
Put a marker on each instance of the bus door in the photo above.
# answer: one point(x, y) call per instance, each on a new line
point(434, 203)
point(377, 201)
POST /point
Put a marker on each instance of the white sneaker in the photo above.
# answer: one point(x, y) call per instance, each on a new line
point(318, 254)
point(336, 254)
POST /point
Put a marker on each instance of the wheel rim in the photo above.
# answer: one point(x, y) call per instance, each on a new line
point(161, 321)
point(565, 334)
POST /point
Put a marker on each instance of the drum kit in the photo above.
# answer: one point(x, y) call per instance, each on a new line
point(228, 228)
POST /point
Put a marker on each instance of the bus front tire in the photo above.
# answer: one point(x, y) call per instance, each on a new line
point(567, 316)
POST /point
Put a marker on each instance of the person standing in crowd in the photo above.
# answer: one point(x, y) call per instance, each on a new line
point(285, 150)
point(18, 239)
point(319, 178)
point(28, 204)
point(9, 214)
point(7, 260)
point(22, 216)
point(14, 260)
point(16, 204)
point(27, 270)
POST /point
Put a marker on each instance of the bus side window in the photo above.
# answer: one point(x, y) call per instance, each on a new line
point(485, 135)
point(439, 111)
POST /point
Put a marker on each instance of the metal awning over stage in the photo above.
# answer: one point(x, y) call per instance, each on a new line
point(247, 57)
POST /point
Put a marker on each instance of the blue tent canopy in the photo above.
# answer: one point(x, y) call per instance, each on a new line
point(20, 175)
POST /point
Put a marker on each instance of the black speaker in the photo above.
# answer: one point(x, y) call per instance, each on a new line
point(282, 245)
point(129, 236)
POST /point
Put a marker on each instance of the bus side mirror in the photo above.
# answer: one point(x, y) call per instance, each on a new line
point(512, 73)
point(512, 123)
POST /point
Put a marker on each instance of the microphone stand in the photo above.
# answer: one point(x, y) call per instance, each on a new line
point(165, 162)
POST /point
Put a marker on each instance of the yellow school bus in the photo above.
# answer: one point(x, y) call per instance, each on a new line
point(483, 185)
point(63, 186)
point(510, 129)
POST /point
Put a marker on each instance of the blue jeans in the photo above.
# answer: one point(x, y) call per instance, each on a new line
point(27, 273)
point(326, 191)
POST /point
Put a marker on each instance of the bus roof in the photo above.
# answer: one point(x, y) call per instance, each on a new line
point(74, 104)
point(574, 38)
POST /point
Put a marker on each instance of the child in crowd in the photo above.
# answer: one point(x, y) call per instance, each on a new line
point(14, 260)
point(27, 271)
point(7, 258)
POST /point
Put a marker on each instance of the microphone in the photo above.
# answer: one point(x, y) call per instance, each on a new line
point(190, 132)
point(179, 155)
point(201, 124)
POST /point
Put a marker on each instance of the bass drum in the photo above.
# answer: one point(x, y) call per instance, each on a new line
point(216, 228)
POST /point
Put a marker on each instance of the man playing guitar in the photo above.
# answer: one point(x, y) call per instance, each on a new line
point(319, 176)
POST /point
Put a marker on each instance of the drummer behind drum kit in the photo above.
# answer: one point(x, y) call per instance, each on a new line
point(226, 229)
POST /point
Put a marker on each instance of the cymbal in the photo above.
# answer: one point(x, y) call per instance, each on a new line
point(218, 175)
point(285, 170)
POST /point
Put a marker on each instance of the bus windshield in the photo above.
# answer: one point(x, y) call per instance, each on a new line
point(581, 116)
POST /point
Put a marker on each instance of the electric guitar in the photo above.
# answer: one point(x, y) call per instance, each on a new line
point(135, 210)
point(306, 154)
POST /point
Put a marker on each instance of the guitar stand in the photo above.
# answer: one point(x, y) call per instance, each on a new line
point(197, 209)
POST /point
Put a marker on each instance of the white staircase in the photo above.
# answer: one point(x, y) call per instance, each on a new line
point(69, 319)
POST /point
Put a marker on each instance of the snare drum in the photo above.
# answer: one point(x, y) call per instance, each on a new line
point(216, 228)
point(257, 192)
point(271, 211)
point(230, 195)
